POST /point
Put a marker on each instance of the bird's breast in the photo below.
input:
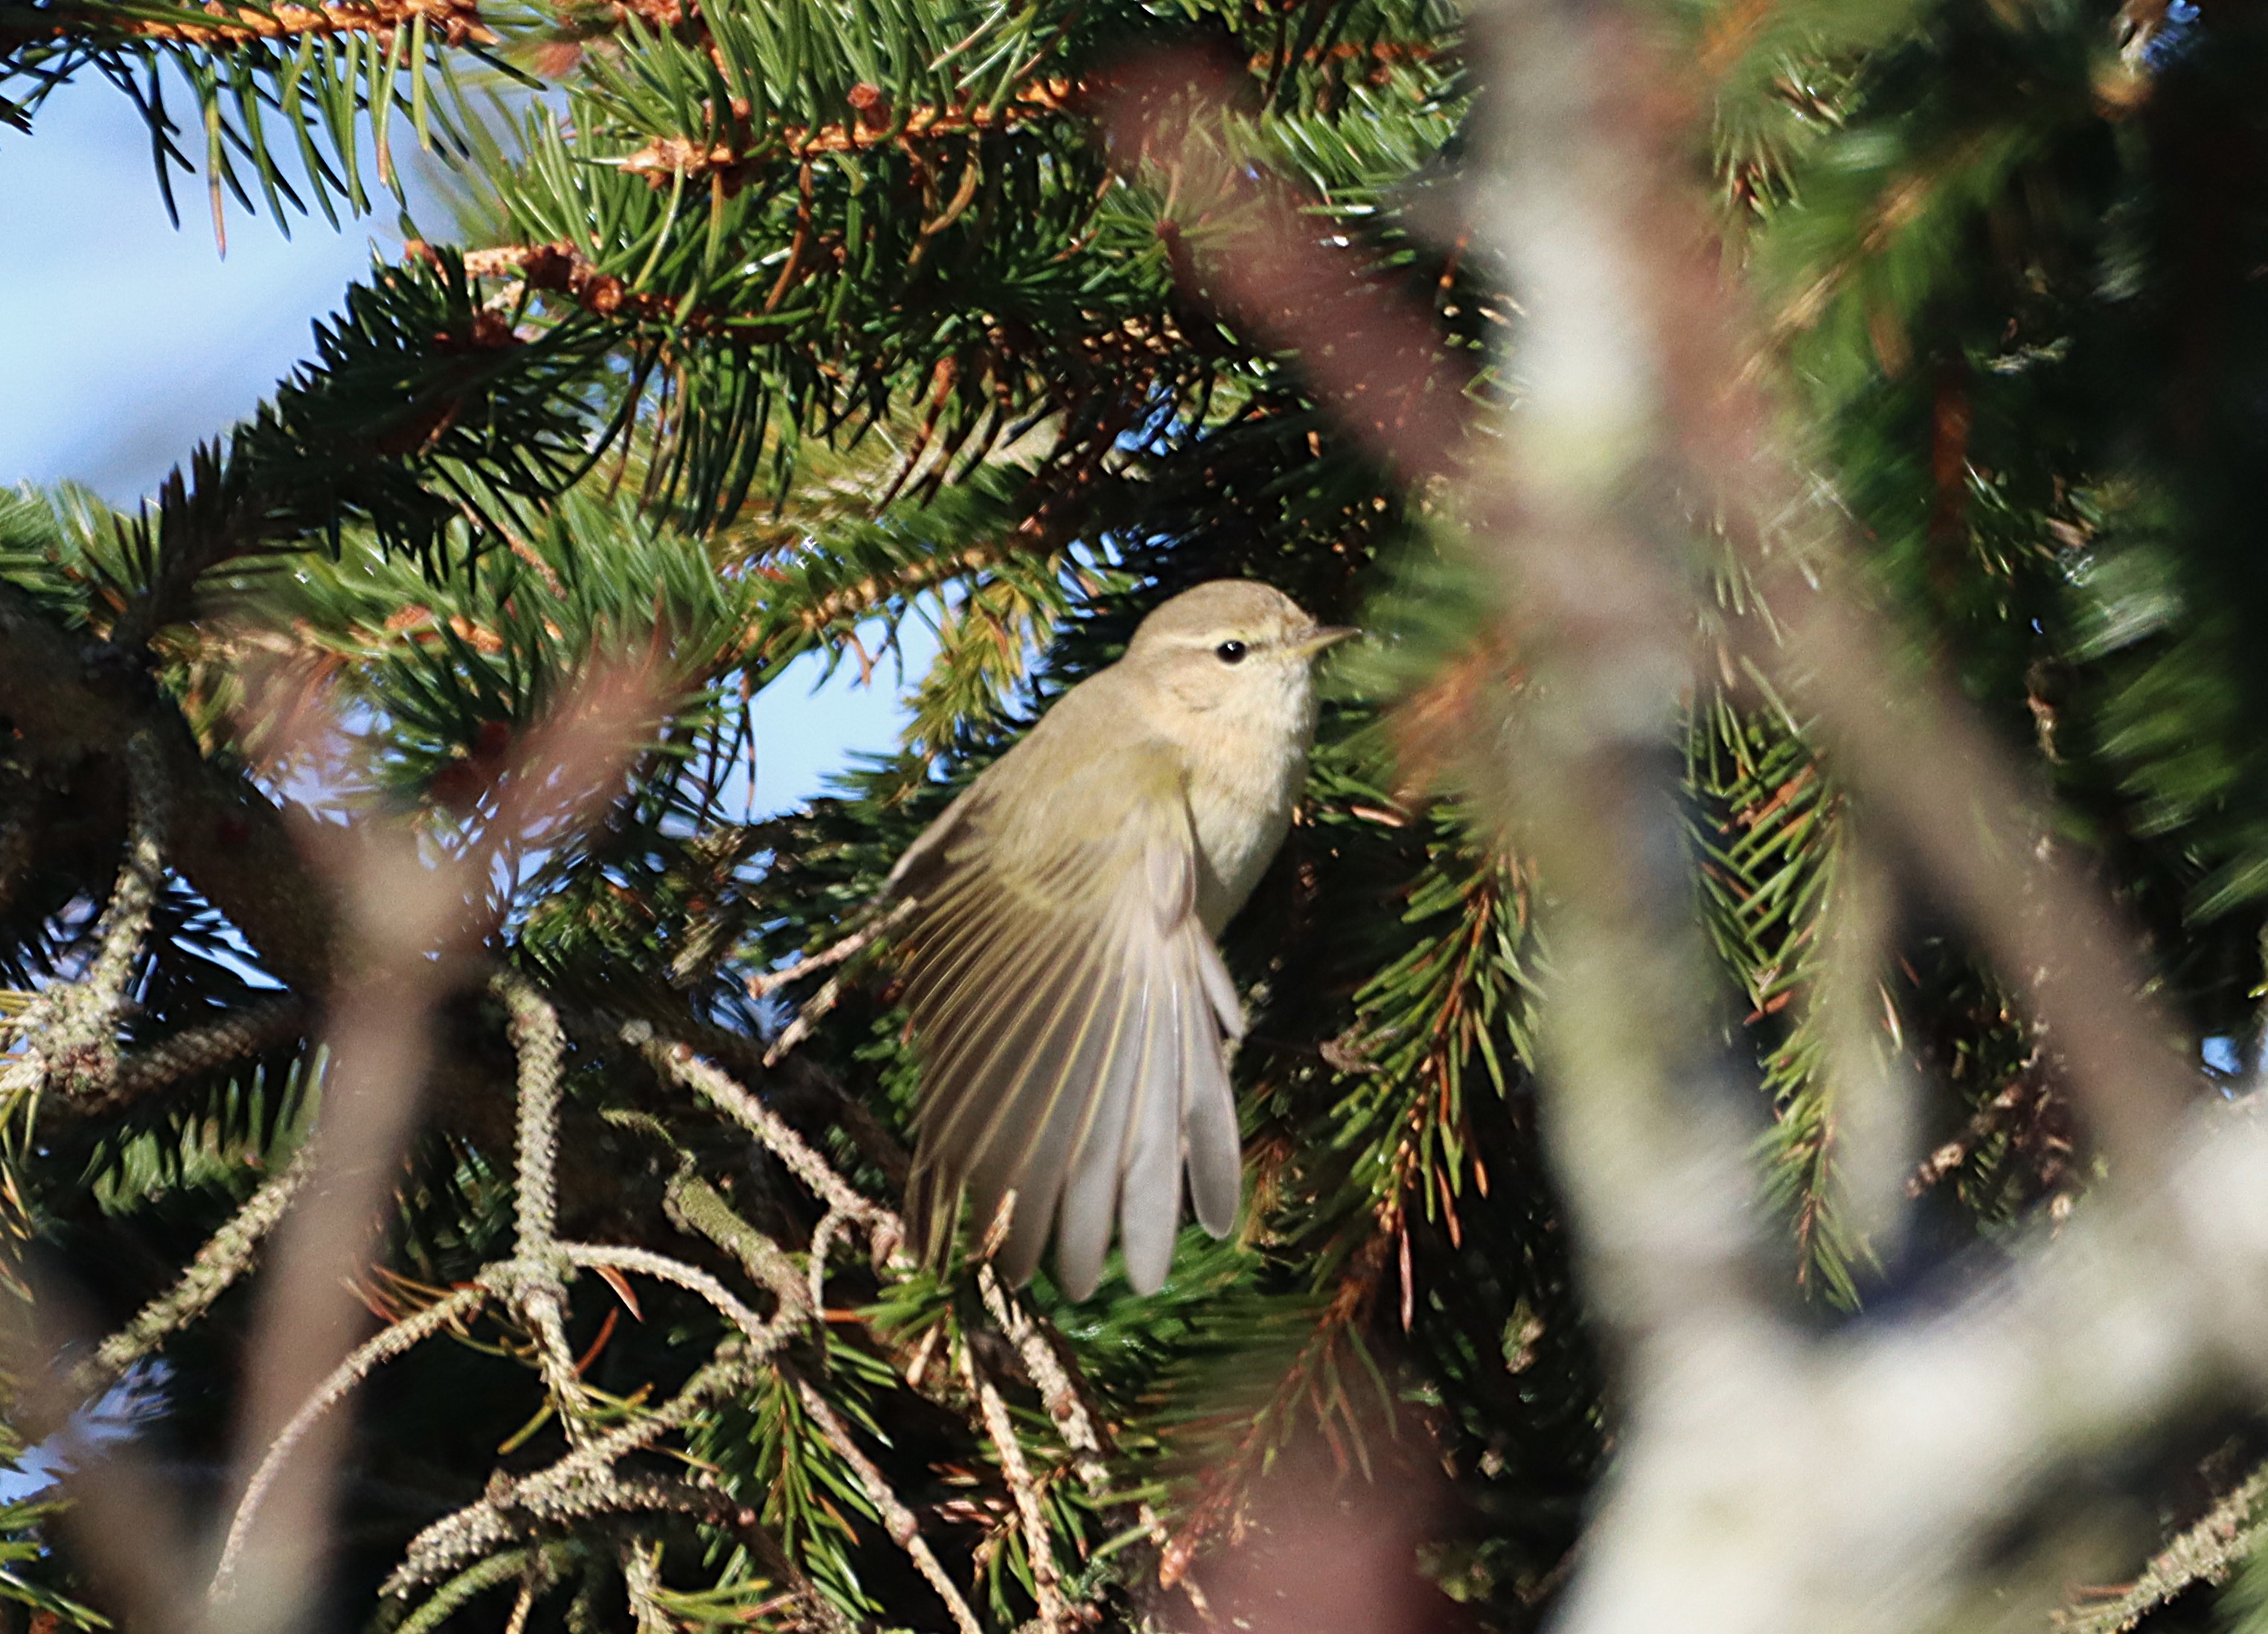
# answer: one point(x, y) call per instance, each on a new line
point(1241, 805)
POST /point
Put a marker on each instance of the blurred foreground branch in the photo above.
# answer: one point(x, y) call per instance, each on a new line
point(1771, 1480)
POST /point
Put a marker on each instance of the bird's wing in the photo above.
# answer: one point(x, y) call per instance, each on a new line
point(1069, 1011)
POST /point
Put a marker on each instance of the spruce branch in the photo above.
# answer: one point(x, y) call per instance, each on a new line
point(595, 1495)
point(766, 1337)
point(250, 1031)
point(533, 1569)
point(222, 24)
point(565, 268)
point(735, 165)
point(699, 1208)
point(845, 605)
point(2028, 1112)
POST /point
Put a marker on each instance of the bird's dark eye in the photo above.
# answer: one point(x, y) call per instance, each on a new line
point(1230, 652)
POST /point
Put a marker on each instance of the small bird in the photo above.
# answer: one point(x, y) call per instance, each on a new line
point(1069, 1008)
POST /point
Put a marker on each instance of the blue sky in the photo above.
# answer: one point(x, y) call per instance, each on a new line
point(125, 342)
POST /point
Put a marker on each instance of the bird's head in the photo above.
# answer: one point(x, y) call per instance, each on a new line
point(1232, 646)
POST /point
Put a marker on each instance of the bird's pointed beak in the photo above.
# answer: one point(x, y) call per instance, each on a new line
point(1324, 636)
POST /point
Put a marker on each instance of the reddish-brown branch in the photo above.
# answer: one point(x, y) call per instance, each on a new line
point(736, 159)
point(237, 23)
point(564, 269)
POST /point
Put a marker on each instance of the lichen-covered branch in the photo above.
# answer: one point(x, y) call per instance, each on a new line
point(587, 1484)
point(70, 1026)
point(2207, 1551)
point(766, 1336)
point(571, 1487)
point(541, 1295)
point(225, 1257)
point(678, 1063)
point(249, 1032)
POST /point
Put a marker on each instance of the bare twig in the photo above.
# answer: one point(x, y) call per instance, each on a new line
point(1058, 1393)
point(1031, 1512)
point(822, 1239)
point(1986, 846)
point(1066, 1405)
point(770, 982)
point(897, 1520)
point(373, 1353)
point(413, 926)
point(808, 1015)
point(678, 1062)
point(523, 1606)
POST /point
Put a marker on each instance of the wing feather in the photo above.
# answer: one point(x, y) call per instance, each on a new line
point(1069, 1011)
point(1150, 1182)
point(990, 1011)
point(1090, 1202)
point(1215, 1148)
point(1072, 1100)
point(1017, 1059)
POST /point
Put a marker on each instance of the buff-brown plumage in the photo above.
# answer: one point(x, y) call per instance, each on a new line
point(1069, 1008)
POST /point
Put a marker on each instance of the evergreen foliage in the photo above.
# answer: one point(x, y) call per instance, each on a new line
point(767, 329)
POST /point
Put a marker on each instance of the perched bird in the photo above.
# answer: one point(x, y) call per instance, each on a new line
point(1069, 1009)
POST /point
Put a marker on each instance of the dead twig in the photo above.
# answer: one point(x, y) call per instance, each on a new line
point(1031, 1512)
point(767, 982)
point(897, 1520)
